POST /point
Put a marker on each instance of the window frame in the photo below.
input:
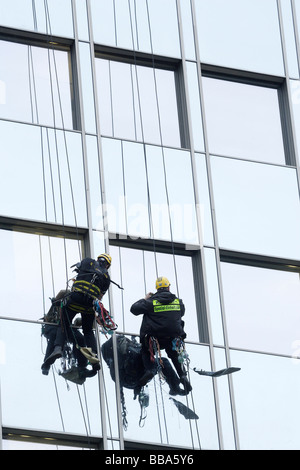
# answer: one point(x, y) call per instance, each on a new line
point(156, 62)
point(266, 81)
point(51, 43)
point(175, 248)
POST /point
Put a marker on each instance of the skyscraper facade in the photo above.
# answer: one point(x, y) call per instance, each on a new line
point(165, 133)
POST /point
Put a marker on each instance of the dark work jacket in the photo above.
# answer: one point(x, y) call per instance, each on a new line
point(160, 324)
point(90, 270)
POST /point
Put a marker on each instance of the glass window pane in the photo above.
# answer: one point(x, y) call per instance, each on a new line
point(213, 296)
point(289, 37)
point(50, 404)
point(182, 203)
point(87, 87)
point(137, 103)
point(94, 182)
point(240, 34)
point(163, 418)
point(187, 29)
point(31, 275)
point(137, 271)
point(160, 216)
point(17, 13)
point(54, 188)
point(295, 95)
point(195, 105)
point(35, 84)
point(262, 308)
point(54, 17)
point(257, 207)
point(204, 199)
point(82, 20)
point(136, 194)
point(266, 392)
point(243, 121)
point(122, 23)
point(114, 210)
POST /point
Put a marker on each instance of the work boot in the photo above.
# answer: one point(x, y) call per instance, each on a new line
point(177, 391)
point(186, 384)
point(90, 355)
point(52, 358)
point(45, 369)
point(148, 375)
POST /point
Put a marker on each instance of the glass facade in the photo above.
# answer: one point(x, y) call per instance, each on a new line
point(166, 134)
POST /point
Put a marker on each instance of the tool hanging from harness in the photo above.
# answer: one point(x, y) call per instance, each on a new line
point(144, 403)
point(179, 346)
point(108, 326)
point(155, 356)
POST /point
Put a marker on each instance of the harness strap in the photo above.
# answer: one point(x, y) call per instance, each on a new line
point(87, 288)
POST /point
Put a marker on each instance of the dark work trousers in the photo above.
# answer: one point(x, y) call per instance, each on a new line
point(49, 331)
point(52, 332)
point(164, 344)
point(77, 303)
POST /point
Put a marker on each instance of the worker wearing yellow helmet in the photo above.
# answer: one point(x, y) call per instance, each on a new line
point(162, 319)
point(91, 283)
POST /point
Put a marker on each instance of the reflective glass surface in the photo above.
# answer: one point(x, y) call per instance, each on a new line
point(50, 16)
point(204, 199)
point(35, 85)
point(75, 409)
point(87, 87)
point(262, 308)
point(213, 296)
point(54, 188)
point(94, 182)
point(162, 418)
point(138, 25)
point(137, 206)
point(36, 401)
point(136, 271)
point(266, 393)
point(137, 103)
point(289, 35)
point(257, 207)
point(195, 105)
point(240, 34)
point(34, 269)
point(243, 120)
point(295, 99)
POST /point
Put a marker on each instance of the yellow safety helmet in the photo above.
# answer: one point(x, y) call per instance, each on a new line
point(106, 257)
point(162, 282)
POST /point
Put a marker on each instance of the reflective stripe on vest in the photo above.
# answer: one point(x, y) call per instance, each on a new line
point(173, 306)
point(86, 287)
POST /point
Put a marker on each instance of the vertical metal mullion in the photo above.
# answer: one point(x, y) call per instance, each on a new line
point(218, 265)
point(285, 101)
point(289, 104)
point(199, 271)
point(89, 215)
point(106, 232)
point(1, 426)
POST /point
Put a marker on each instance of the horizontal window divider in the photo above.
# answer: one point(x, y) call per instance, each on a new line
point(263, 261)
point(140, 58)
point(242, 76)
point(34, 38)
point(148, 244)
point(51, 438)
point(42, 228)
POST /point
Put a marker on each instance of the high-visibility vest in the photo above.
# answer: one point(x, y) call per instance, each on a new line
point(173, 306)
